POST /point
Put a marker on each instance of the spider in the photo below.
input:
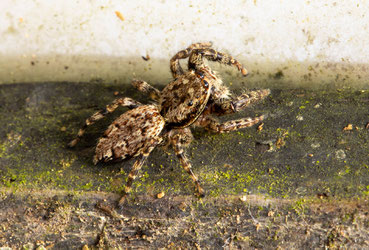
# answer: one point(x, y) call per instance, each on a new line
point(191, 99)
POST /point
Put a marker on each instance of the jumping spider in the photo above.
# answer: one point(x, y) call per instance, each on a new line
point(190, 99)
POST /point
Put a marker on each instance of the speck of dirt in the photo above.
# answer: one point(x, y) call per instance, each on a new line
point(278, 75)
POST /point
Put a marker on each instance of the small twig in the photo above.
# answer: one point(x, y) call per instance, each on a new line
point(227, 242)
point(101, 238)
point(252, 217)
point(108, 211)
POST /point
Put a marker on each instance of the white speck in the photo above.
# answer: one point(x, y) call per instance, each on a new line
point(315, 145)
point(300, 118)
point(340, 154)
point(318, 105)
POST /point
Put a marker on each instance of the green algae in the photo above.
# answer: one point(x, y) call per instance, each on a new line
point(301, 150)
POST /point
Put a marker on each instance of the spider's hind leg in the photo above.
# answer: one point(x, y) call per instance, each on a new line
point(175, 67)
point(180, 138)
point(131, 177)
point(146, 88)
point(136, 168)
point(125, 102)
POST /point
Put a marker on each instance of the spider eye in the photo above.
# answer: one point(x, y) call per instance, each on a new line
point(206, 84)
point(190, 103)
point(219, 56)
point(200, 74)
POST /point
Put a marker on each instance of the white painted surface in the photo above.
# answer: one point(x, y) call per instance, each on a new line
point(290, 42)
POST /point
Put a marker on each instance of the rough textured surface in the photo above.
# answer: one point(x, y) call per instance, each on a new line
point(300, 42)
point(304, 171)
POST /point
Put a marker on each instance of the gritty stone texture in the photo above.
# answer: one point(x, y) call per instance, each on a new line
point(294, 43)
point(262, 183)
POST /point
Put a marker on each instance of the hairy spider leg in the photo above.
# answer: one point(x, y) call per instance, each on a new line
point(178, 140)
point(125, 102)
point(175, 67)
point(213, 125)
point(196, 59)
point(146, 88)
point(239, 103)
point(136, 168)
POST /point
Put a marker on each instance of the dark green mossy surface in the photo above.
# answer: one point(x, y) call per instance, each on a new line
point(301, 152)
point(302, 149)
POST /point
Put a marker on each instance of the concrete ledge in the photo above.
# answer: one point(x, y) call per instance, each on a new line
point(308, 160)
point(304, 171)
point(74, 221)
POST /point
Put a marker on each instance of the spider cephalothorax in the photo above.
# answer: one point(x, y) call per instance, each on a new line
point(184, 99)
point(192, 98)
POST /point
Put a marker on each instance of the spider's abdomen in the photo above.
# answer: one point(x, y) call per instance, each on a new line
point(184, 99)
point(130, 134)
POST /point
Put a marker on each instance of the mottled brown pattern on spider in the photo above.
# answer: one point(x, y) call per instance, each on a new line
point(196, 59)
point(183, 100)
point(130, 134)
point(192, 98)
point(175, 67)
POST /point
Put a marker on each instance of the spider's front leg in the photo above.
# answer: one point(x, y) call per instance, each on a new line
point(175, 67)
point(146, 88)
point(196, 59)
point(179, 138)
point(125, 102)
point(213, 125)
point(238, 103)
